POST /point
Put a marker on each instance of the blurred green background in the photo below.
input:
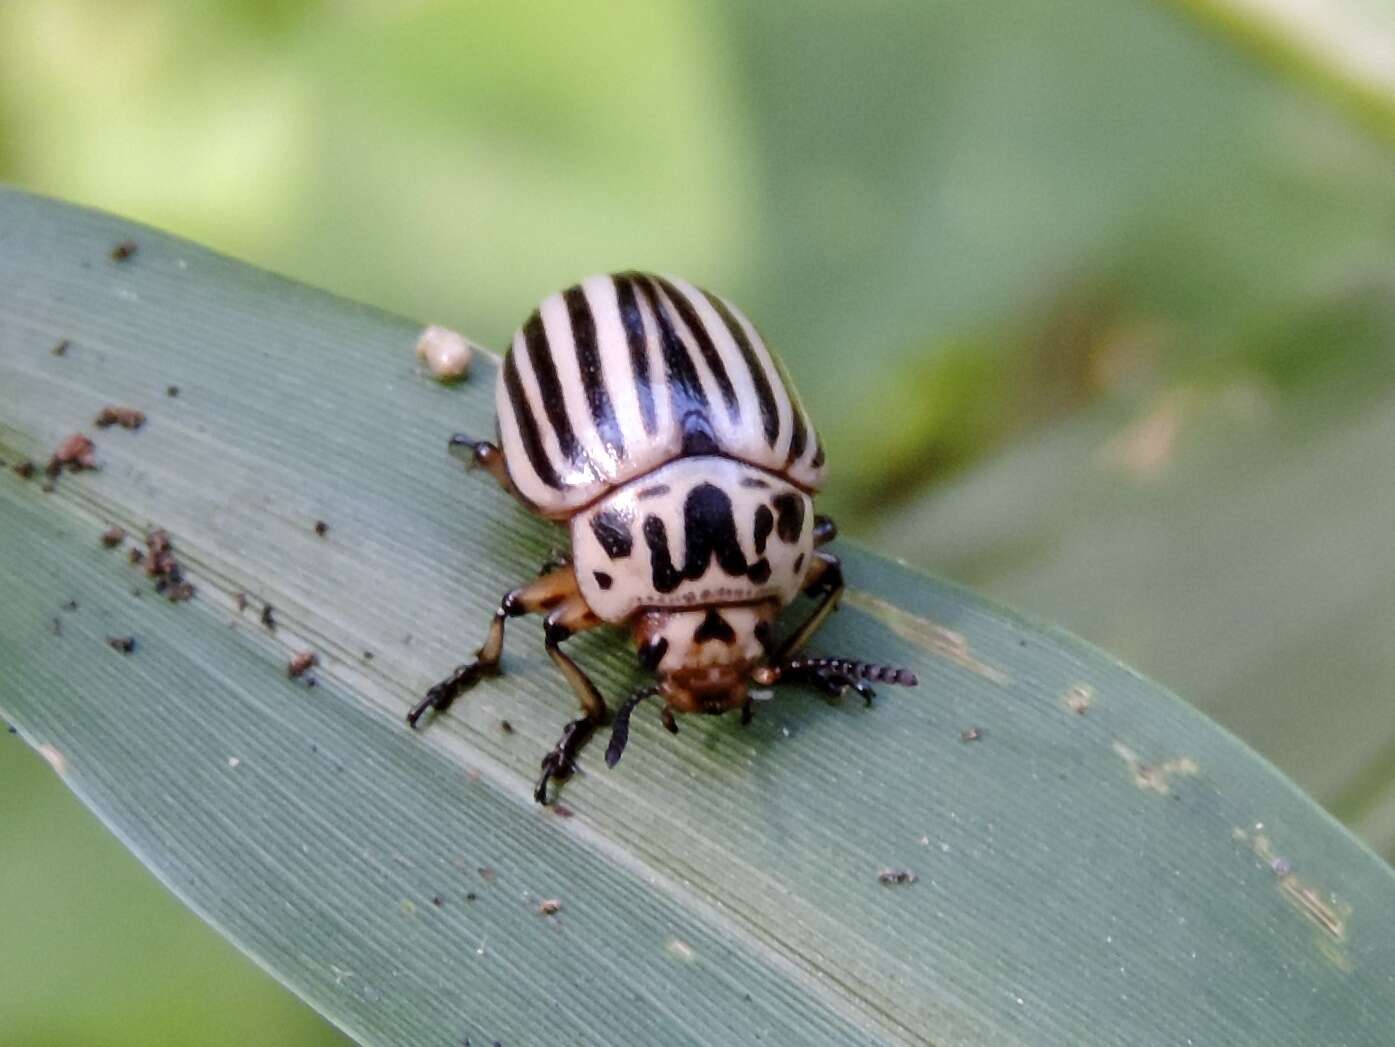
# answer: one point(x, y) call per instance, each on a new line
point(1093, 303)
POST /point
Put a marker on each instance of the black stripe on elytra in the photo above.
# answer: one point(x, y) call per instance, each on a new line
point(653, 492)
point(588, 362)
point(714, 627)
point(704, 342)
point(764, 523)
point(612, 529)
point(685, 387)
point(818, 459)
point(800, 437)
point(550, 386)
point(527, 425)
point(765, 393)
point(632, 320)
point(789, 512)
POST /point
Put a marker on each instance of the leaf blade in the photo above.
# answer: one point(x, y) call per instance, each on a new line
point(707, 867)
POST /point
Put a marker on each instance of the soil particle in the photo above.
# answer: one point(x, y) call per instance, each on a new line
point(971, 734)
point(321, 528)
point(300, 662)
point(124, 644)
point(75, 452)
point(550, 907)
point(893, 877)
point(112, 537)
point(124, 250)
point(126, 417)
point(25, 470)
point(269, 616)
point(61, 347)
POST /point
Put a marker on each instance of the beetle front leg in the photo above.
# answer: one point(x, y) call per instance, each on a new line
point(833, 676)
point(544, 593)
point(484, 455)
point(566, 620)
point(825, 575)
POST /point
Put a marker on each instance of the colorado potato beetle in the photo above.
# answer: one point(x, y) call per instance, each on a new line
point(651, 417)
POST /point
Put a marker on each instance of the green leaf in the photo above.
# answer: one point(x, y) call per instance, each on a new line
point(1101, 865)
point(1346, 48)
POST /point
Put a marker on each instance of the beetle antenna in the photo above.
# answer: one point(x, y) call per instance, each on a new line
point(835, 675)
point(620, 732)
point(852, 669)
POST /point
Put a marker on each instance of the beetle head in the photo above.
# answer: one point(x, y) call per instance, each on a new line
point(703, 658)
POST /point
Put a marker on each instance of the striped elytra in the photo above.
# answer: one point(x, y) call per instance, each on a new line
point(619, 375)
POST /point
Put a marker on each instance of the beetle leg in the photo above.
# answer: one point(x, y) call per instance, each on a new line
point(569, 618)
point(825, 530)
point(540, 595)
point(832, 675)
point(483, 454)
point(825, 575)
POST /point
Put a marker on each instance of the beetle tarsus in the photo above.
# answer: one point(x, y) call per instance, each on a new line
point(560, 762)
point(439, 698)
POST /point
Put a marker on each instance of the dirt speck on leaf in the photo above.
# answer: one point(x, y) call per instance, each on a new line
point(971, 734)
point(124, 250)
point(1156, 777)
point(321, 528)
point(269, 616)
point(1325, 911)
point(75, 453)
point(112, 537)
point(126, 417)
point(679, 950)
point(1078, 698)
point(60, 347)
point(300, 662)
point(895, 877)
point(549, 907)
point(124, 644)
point(446, 353)
point(25, 470)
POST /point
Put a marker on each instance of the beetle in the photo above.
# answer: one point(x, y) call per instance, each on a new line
point(652, 419)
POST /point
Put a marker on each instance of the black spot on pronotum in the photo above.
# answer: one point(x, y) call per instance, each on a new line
point(760, 571)
point(764, 523)
point(789, 520)
point(665, 575)
point(714, 627)
point(612, 529)
point(710, 530)
point(604, 580)
point(753, 481)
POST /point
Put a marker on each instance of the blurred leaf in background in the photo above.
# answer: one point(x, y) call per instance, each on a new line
point(1091, 304)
